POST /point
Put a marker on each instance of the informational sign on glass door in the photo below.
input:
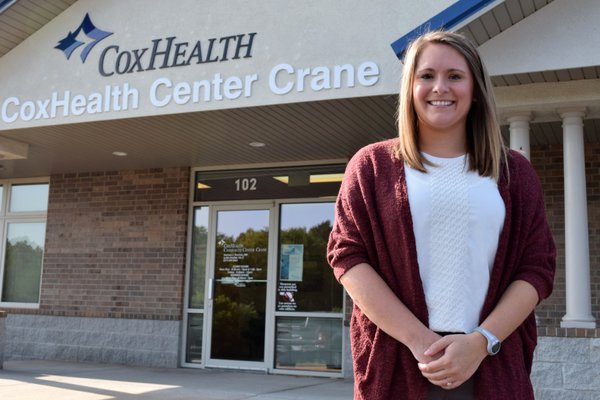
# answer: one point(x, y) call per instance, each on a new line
point(287, 296)
point(232, 270)
point(291, 264)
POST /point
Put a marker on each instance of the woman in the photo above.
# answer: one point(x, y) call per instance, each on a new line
point(441, 240)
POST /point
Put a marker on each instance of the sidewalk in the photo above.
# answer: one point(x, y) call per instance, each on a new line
point(50, 380)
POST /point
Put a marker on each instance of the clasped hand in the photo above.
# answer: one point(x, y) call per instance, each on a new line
point(452, 360)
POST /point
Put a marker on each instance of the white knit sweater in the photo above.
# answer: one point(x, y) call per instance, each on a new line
point(457, 217)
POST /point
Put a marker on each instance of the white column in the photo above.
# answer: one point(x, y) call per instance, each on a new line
point(519, 133)
point(577, 252)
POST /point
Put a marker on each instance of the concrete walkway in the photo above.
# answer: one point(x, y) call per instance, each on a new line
point(49, 380)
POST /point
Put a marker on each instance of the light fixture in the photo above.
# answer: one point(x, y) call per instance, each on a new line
point(4, 4)
point(316, 178)
point(326, 178)
point(119, 153)
point(257, 144)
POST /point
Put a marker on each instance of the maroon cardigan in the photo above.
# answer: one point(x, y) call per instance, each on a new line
point(373, 225)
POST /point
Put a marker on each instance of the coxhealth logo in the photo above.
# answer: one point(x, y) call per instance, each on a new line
point(70, 42)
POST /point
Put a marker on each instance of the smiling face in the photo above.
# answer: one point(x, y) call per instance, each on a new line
point(442, 93)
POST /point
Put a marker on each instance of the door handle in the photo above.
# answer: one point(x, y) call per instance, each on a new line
point(211, 284)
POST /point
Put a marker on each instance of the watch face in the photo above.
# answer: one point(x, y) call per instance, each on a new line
point(495, 348)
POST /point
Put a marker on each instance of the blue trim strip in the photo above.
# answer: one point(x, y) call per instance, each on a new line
point(446, 19)
point(4, 4)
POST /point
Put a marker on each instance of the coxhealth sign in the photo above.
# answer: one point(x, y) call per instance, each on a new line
point(172, 52)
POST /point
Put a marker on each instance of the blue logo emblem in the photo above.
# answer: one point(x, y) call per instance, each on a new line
point(70, 42)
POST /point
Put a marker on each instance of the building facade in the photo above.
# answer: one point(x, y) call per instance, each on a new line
point(168, 174)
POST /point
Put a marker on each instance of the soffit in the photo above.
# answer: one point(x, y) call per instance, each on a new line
point(315, 132)
point(543, 134)
point(25, 17)
point(300, 132)
point(563, 75)
point(500, 18)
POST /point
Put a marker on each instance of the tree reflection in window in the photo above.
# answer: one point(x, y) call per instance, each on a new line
point(318, 291)
point(199, 251)
point(22, 271)
point(239, 312)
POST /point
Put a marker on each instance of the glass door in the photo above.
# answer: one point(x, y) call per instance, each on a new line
point(237, 289)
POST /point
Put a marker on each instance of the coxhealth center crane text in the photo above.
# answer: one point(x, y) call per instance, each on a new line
point(282, 79)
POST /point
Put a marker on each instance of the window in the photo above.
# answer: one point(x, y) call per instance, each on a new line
point(195, 322)
point(23, 210)
point(309, 299)
point(306, 282)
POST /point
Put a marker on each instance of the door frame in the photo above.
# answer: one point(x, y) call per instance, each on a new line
point(268, 365)
point(265, 365)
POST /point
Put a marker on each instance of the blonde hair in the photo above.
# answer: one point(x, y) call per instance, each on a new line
point(485, 146)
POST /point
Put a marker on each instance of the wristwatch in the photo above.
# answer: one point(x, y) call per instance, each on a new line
point(493, 344)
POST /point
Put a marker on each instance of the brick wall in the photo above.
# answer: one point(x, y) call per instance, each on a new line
point(548, 162)
point(115, 245)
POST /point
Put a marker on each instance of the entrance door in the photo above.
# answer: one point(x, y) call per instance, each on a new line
point(238, 288)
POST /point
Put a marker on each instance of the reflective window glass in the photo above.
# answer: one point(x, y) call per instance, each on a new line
point(29, 198)
point(194, 338)
point(307, 343)
point(199, 250)
point(23, 262)
point(240, 286)
point(305, 280)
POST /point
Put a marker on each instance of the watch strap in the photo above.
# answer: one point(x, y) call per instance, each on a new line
point(493, 343)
